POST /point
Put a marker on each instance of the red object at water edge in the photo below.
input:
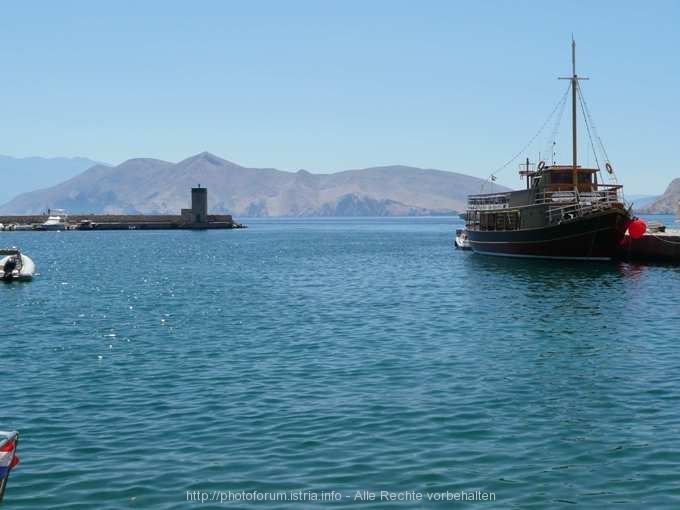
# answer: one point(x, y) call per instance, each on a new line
point(637, 228)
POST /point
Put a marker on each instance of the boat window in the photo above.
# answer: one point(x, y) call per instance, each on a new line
point(508, 220)
point(488, 222)
point(561, 178)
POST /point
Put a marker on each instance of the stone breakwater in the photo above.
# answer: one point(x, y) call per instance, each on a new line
point(123, 222)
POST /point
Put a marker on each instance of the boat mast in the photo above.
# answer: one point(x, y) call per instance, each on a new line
point(574, 85)
point(574, 78)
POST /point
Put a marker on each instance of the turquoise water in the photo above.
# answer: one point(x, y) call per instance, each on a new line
point(335, 355)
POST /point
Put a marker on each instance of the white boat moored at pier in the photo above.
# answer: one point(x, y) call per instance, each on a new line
point(56, 220)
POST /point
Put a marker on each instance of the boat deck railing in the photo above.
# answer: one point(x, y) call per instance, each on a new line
point(488, 202)
point(554, 195)
point(561, 195)
point(565, 205)
point(560, 204)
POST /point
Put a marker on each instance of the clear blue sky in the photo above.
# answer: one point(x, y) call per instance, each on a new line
point(329, 85)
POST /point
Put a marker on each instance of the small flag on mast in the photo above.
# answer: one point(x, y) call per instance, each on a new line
point(8, 457)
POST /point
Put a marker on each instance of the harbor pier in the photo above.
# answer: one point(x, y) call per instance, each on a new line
point(195, 218)
point(653, 246)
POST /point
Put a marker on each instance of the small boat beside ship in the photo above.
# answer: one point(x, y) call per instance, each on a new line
point(461, 241)
point(15, 266)
point(565, 212)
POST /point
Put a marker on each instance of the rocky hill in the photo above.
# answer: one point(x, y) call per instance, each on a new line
point(153, 186)
point(666, 203)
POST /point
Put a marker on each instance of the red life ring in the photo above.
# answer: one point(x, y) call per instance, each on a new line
point(609, 168)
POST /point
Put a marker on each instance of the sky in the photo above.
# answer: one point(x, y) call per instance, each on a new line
point(333, 85)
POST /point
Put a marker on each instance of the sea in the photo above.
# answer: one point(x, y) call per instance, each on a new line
point(363, 361)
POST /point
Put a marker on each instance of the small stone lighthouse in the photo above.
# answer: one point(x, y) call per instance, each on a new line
point(198, 214)
point(197, 217)
point(199, 204)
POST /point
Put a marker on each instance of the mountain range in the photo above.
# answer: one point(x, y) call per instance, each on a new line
point(37, 172)
point(152, 186)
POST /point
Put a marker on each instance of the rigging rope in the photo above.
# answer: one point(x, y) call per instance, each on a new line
point(552, 141)
point(492, 177)
point(585, 120)
point(589, 118)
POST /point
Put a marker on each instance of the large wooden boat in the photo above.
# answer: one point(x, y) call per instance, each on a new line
point(564, 212)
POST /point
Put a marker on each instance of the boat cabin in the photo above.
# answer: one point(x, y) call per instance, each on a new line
point(561, 178)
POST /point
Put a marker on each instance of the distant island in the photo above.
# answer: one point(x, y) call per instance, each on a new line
point(152, 186)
